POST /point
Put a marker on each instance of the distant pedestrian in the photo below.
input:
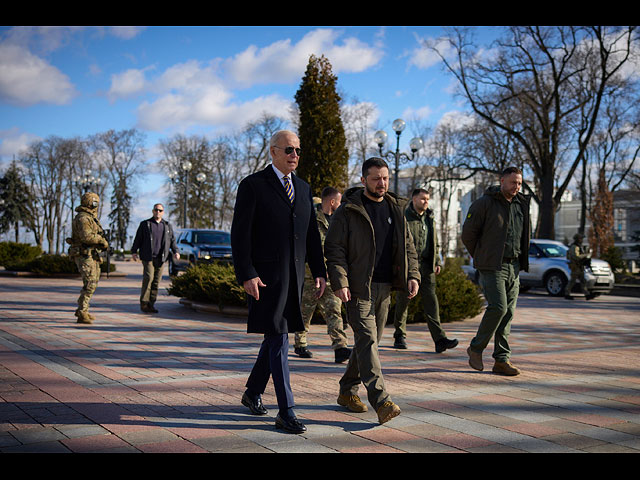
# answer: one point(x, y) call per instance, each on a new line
point(328, 304)
point(496, 233)
point(369, 252)
point(155, 241)
point(87, 241)
point(421, 222)
point(579, 257)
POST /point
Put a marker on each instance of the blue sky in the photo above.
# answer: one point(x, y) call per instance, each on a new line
point(78, 81)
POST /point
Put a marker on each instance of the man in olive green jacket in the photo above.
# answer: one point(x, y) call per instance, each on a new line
point(496, 233)
point(369, 251)
point(421, 222)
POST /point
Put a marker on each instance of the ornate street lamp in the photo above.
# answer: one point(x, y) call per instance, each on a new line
point(86, 181)
point(380, 138)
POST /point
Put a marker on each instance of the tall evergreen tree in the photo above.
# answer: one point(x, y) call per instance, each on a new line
point(325, 158)
point(15, 200)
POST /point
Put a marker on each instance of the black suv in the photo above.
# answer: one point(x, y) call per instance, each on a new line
point(200, 246)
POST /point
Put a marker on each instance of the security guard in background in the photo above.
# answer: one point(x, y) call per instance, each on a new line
point(579, 257)
point(87, 241)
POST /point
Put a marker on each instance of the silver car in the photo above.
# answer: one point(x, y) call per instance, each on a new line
point(549, 268)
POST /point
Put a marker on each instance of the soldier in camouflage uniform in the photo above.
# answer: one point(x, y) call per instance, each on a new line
point(87, 241)
point(579, 257)
point(329, 305)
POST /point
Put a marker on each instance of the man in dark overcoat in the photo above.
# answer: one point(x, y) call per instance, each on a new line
point(274, 230)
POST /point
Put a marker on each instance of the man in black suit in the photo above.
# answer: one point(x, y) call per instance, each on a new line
point(274, 230)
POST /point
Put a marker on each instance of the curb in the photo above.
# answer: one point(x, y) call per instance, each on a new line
point(211, 308)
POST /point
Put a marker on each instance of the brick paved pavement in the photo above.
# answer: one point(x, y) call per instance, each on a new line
point(172, 382)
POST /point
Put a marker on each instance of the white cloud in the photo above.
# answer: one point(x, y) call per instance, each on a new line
point(13, 142)
point(203, 93)
point(417, 113)
point(127, 84)
point(26, 79)
point(125, 33)
point(423, 56)
point(284, 62)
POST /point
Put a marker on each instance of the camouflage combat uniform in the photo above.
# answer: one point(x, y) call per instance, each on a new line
point(578, 257)
point(329, 305)
point(87, 240)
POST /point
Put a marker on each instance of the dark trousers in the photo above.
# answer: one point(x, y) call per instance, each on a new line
point(273, 361)
point(151, 276)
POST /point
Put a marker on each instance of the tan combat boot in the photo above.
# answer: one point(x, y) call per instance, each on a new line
point(505, 368)
point(387, 411)
point(84, 317)
point(352, 402)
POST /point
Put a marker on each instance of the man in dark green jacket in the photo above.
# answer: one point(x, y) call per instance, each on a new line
point(369, 252)
point(420, 220)
point(496, 233)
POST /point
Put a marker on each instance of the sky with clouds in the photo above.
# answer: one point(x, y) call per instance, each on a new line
point(78, 81)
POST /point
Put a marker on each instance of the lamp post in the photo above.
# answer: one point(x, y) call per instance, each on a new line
point(380, 138)
point(176, 178)
point(86, 181)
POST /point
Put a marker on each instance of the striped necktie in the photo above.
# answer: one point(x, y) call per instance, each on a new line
point(287, 188)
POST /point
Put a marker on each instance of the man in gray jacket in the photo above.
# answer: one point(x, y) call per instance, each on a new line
point(155, 241)
point(369, 251)
point(496, 233)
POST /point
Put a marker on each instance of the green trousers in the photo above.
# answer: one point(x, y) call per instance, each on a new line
point(500, 288)
point(151, 276)
point(429, 305)
point(367, 319)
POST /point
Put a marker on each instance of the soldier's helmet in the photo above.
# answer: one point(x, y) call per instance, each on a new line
point(90, 200)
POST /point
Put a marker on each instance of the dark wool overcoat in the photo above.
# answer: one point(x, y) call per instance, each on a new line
point(271, 238)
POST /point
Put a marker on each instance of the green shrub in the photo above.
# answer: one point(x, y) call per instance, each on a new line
point(51, 265)
point(458, 297)
point(12, 252)
point(613, 256)
point(211, 283)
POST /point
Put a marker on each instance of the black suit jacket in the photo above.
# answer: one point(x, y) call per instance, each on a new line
point(271, 238)
point(143, 242)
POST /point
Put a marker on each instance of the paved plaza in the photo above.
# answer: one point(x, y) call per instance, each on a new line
point(172, 382)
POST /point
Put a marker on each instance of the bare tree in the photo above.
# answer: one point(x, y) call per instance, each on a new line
point(532, 86)
point(122, 155)
point(48, 166)
point(359, 120)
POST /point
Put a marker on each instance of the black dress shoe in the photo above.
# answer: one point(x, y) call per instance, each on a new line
point(303, 352)
point(255, 405)
point(400, 343)
point(291, 425)
point(151, 309)
point(342, 354)
point(444, 344)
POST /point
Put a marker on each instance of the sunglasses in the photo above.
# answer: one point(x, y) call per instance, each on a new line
point(289, 150)
point(158, 210)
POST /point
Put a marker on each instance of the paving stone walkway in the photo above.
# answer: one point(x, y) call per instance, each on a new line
point(172, 382)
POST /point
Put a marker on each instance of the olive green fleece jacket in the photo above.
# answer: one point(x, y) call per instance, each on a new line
point(350, 247)
point(485, 230)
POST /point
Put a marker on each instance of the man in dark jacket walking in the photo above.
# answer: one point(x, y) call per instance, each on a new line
point(369, 252)
point(274, 231)
point(155, 241)
point(420, 220)
point(496, 233)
